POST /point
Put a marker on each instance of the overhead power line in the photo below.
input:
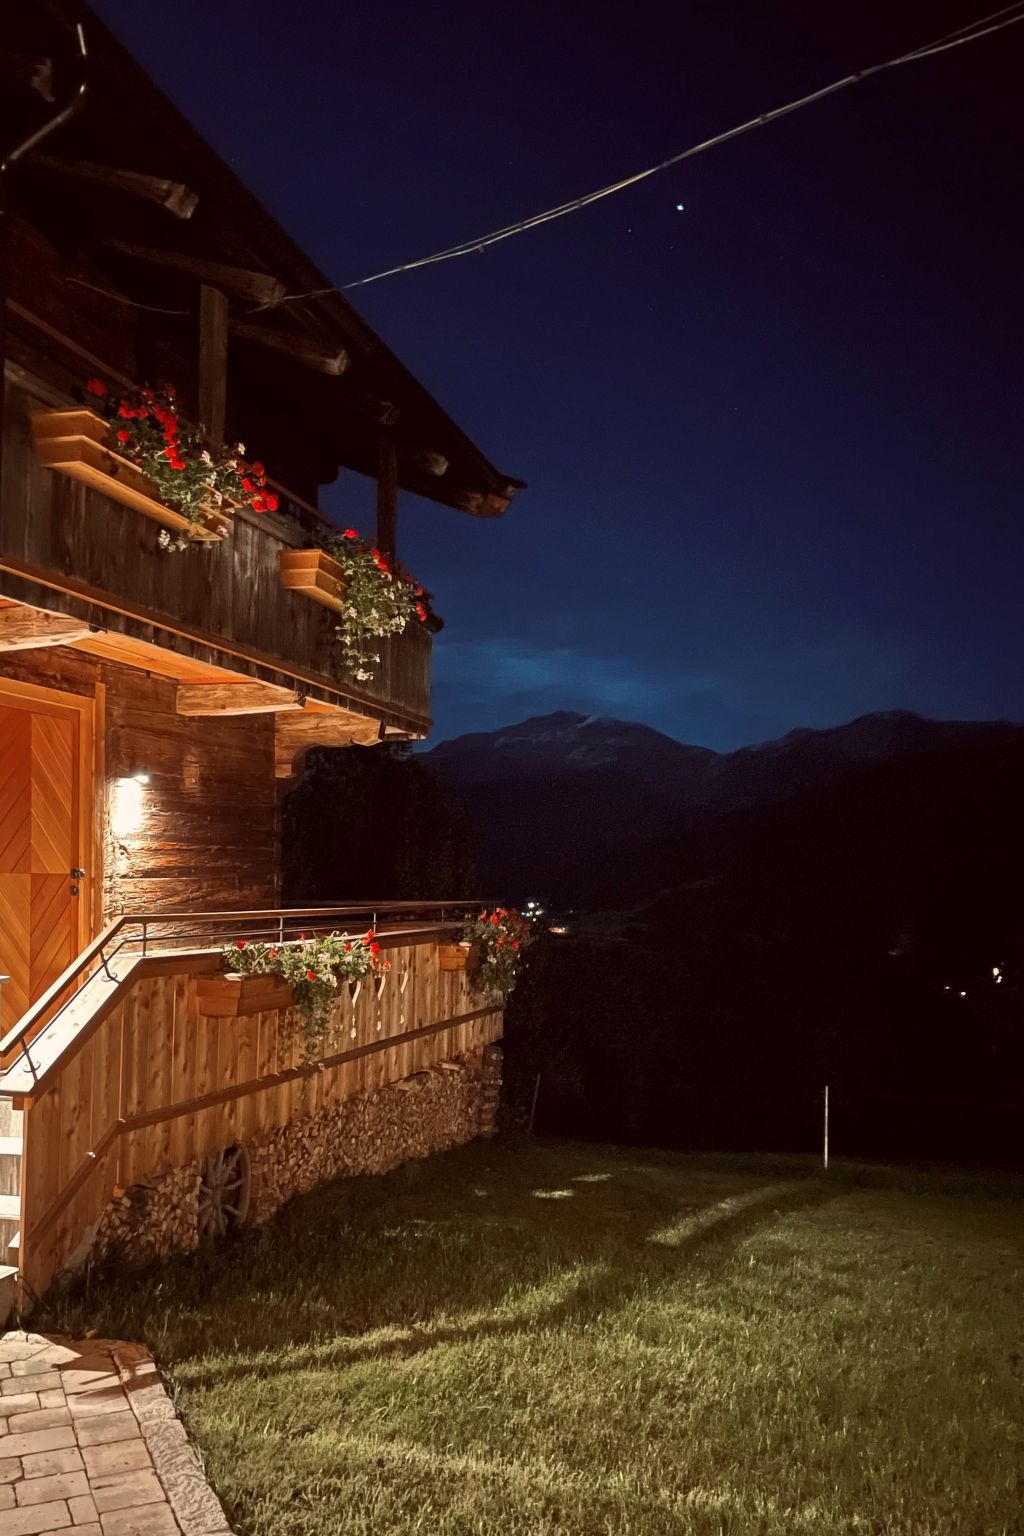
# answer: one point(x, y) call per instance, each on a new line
point(984, 26)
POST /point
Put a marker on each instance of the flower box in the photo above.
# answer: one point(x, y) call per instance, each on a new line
point(459, 957)
point(313, 573)
point(75, 443)
point(234, 996)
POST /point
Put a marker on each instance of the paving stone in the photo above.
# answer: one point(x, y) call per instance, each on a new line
point(53, 1398)
point(5, 1369)
point(36, 1381)
point(126, 1490)
point(106, 1427)
point(19, 1346)
point(45, 1463)
point(10, 1469)
point(93, 1529)
point(39, 1418)
point(38, 1364)
point(87, 1404)
point(76, 1380)
point(39, 1440)
point(18, 1402)
point(83, 1510)
point(59, 1485)
point(121, 1456)
point(143, 1520)
point(36, 1519)
point(55, 1353)
point(7, 1499)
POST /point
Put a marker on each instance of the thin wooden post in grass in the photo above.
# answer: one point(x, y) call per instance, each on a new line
point(533, 1106)
point(826, 1129)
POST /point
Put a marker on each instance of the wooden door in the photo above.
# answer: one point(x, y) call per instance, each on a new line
point(41, 810)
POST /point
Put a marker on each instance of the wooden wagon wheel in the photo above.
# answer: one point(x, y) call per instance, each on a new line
point(223, 1192)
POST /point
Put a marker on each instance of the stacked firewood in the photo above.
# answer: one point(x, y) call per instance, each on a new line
point(150, 1220)
point(414, 1117)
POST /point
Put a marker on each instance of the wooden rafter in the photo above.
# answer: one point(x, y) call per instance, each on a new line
point(321, 359)
point(235, 699)
point(174, 196)
point(25, 629)
point(258, 286)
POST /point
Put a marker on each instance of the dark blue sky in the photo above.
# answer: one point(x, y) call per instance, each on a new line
point(773, 442)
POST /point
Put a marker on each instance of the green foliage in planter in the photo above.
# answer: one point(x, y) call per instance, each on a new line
point(314, 968)
point(194, 478)
point(502, 936)
point(380, 599)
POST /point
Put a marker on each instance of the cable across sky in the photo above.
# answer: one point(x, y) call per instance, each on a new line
point(984, 26)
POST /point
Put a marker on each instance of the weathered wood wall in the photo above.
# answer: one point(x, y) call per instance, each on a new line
point(66, 547)
point(153, 1084)
point(207, 832)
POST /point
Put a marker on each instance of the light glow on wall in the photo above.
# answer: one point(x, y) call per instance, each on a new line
point(127, 805)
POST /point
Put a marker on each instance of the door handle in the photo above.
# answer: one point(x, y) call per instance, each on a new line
point(77, 874)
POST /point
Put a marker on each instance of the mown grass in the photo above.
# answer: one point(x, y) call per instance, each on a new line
point(565, 1339)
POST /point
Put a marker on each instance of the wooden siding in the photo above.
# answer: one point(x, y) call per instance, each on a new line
point(150, 1083)
point(206, 833)
point(68, 548)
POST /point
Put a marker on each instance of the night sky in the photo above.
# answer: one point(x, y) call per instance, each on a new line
point(773, 442)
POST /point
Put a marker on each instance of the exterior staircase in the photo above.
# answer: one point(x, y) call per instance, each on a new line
point(10, 1203)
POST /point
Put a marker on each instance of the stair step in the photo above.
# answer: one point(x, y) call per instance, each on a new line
point(11, 1146)
point(10, 1207)
point(8, 1275)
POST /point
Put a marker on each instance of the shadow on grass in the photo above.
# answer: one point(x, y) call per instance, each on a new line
point(485, 1242)
point(708, 1236)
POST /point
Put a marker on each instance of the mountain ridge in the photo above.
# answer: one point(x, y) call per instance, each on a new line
point(547, 796)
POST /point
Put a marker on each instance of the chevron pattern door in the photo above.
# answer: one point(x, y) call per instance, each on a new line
point(39, 809)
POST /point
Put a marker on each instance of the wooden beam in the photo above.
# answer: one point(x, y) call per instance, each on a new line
point(26, 629)
point(298, 347)
point(433, 463)
point(247, 285)
point(387, 498)
point(213, 361)
point(236, 699)
point(174, 196)
point(295, 735)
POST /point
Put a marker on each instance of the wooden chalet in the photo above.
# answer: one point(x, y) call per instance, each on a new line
point(153, 706)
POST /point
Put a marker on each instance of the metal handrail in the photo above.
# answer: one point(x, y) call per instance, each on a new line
point(281, 924)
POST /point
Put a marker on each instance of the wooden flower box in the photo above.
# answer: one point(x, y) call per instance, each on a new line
point(313, 573)
point(459, 957)
point(234, 996)
point(75, 444)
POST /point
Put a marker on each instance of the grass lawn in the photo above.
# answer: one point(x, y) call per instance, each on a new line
point(585, 1341)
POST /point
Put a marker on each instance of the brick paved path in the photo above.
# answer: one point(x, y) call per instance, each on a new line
point(90, 1445)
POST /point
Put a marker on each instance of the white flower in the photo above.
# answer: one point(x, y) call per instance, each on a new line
point(206, 457)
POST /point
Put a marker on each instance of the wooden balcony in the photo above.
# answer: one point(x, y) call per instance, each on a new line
point(69, 548)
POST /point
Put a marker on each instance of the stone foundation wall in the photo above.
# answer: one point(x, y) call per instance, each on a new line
point(432, 1111)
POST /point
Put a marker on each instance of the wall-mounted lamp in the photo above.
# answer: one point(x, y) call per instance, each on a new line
point(141, 777)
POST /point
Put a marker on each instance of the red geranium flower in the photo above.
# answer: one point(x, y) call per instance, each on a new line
point(350, 533)
point(258, 469)
point(311, 975)
point(374, 949)
point(421, 613)
point(272, 503)
point(124, 436)
point(239, 943)
point(96, 387)
point(247, 484)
